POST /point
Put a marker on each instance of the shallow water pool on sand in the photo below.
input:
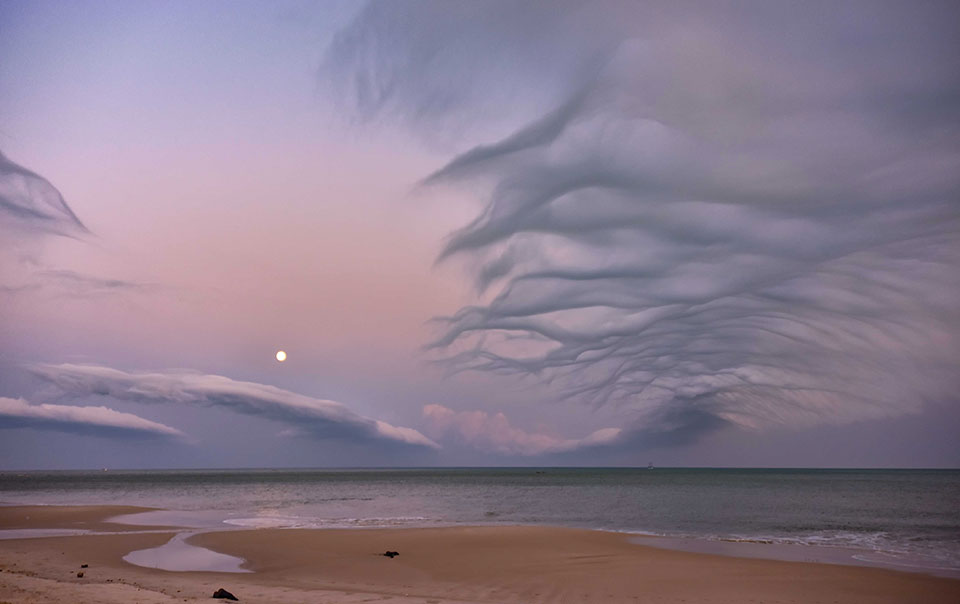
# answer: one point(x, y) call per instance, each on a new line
point(178, 555)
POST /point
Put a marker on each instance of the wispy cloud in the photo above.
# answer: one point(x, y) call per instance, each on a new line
point(32, 210)
point(29, 202)
point(316, 417)
point(494, 433)
point(76, 284)
point(95, 421)
point(68, 283)
point(740, 214)
point(83, 281)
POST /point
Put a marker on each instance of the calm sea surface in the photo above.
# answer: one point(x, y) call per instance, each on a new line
point(913, 514)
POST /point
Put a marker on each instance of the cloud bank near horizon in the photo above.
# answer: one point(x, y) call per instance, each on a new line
point(741, 214)
point(317, 418)
point(494, 433)
point(91, 421)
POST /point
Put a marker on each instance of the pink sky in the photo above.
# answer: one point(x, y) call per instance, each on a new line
point(250, 180)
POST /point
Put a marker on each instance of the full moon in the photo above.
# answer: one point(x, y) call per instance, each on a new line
point(281, 356)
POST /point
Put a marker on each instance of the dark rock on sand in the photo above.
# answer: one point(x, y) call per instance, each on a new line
point(80, 575)
point(224, 594)
point(390, 554)
point(84, 565)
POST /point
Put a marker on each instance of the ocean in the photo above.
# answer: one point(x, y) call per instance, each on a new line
point(911, 516)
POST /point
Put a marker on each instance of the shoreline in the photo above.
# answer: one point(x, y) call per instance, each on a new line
point(911, 527)
point(504, 564)
point(795, 552)
point(59, 520)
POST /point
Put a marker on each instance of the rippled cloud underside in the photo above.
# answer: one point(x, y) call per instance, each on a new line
point(746, 214)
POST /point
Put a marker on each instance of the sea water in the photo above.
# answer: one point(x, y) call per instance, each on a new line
point(907, 517)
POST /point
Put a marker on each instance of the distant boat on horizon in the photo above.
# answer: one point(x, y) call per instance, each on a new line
point(650, 466)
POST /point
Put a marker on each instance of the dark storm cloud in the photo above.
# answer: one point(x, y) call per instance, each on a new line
point(91, 421)
point(720, 213)
point(315, 417)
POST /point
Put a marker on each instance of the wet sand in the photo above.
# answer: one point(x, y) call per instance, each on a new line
point(77, 517)
point(435, 565)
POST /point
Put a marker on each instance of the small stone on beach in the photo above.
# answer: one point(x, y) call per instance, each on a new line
point(80, 575)
point(390, 554)
point(224, 594)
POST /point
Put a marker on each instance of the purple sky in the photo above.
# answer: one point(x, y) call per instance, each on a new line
point(484, 233)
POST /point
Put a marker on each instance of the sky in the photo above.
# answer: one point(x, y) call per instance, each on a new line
point(485, 233)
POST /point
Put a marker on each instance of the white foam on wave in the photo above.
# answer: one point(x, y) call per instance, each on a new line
point(385, 521)
point(268, 522)
point(908, 560)
point(870, 549)
point(173, 518)
point(297, 522)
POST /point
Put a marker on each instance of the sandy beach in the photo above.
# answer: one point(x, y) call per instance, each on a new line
point(74, 517)
point(513, 564)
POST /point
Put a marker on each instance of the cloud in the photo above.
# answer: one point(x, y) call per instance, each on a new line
point(30, 203)
point(434, 61)
point(96, 421)
point(316, 417)
point(82, 282)
point(72, 284)
point(69, 284)
point(77, 285)
point(740, 214)
point(495, 433)
point(31, 210)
